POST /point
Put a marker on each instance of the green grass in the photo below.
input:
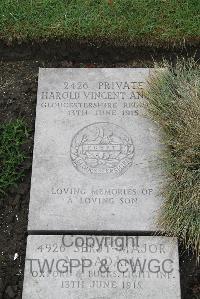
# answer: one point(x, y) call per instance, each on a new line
point(133, 22)
point(174, 104)
point(12, 137)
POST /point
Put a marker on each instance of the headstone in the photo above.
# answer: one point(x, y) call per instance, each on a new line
point(101, 267)
point(95, 152)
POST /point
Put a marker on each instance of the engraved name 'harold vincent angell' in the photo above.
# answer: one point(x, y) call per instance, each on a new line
point(95, 152)
point(102, 150)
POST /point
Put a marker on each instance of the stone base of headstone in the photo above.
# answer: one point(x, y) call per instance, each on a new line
point(101, 267)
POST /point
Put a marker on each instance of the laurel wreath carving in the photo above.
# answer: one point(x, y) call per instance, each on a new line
point(103, 159)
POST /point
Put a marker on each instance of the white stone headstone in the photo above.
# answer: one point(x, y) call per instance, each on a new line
point(95, 152)
point(101, 267)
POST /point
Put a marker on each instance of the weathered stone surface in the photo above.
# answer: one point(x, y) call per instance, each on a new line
point(94, 267)
point(95, 151)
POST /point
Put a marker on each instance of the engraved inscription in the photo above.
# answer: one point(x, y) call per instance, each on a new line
point(102, 150)
point(101, 267)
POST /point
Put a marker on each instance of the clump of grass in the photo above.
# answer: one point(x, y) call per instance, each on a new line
point(174, 104)
point(12, 136)
point(119, 22)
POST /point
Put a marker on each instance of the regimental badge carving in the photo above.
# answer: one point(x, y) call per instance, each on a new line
point(102, 150)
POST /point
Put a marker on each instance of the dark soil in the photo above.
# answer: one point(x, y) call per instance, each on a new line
point(18, 87)
point(101, 52)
